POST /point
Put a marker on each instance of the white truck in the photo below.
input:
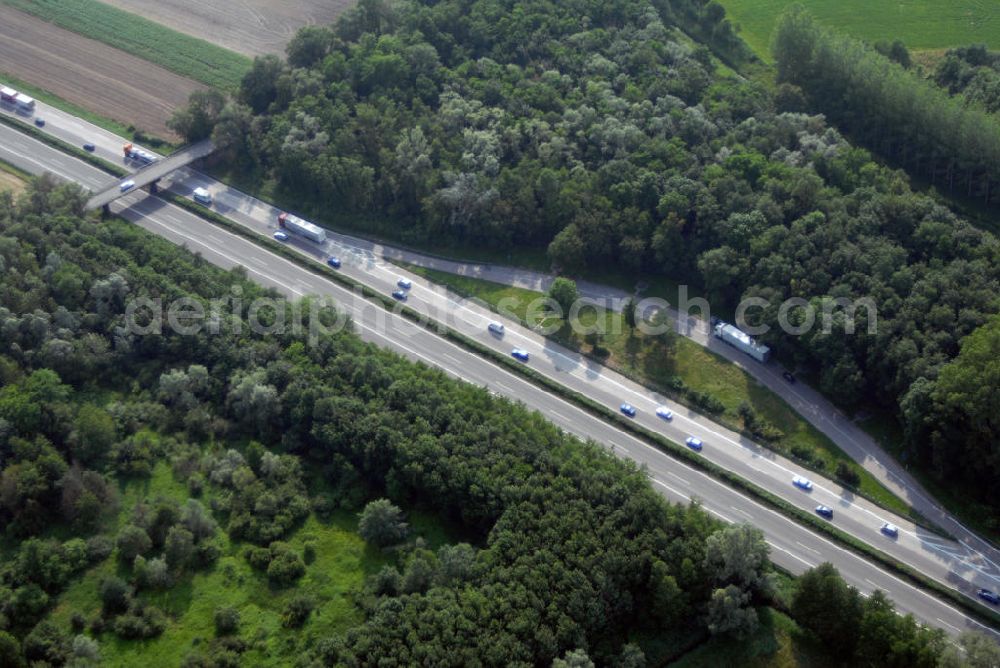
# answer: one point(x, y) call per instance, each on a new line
point(24, 103)
point(737, 338)
point(304, 229)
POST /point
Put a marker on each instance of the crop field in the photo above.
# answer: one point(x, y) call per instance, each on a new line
point(89, 74)
point(250, 27)
point(920, 24)
point(180, 53)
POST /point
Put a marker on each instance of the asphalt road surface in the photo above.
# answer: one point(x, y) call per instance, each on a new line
point(795, 547)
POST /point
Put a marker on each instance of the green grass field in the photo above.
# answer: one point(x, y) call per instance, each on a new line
point(175, 51)
point(700, 369)
point(343, 560)
point(920, 24)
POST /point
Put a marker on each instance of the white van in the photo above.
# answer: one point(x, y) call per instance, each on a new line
point(202, 196)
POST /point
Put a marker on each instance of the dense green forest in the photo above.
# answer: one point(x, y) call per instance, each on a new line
point(569, 551)
point(974, 72)
point(598, 131)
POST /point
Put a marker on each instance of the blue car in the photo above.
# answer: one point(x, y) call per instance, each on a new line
point(522, 355)
point(890, 530)
point(334, 262)
point(400, 295)
point(90, 148)
point(694, 443)
point(825, 511)
point(628, 409)
point(403, 283)
point(990, 596)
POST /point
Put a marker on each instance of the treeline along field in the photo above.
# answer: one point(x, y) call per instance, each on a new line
point(920, 24)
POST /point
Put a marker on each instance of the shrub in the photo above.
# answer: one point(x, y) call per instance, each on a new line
point(227, 621)
point(286, 567)
point(115, 594)
point(259, 557)
point(297, 612)
point(382, 524)
point(846, 474)
point(132, 541)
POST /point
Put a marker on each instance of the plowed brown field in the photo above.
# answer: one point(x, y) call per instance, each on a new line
point(252, 27)
point(89, 74)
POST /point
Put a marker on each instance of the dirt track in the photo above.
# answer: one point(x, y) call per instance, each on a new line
point(252, 27)
point(90, 74)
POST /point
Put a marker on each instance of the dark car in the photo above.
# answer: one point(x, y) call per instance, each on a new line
point(40, 122)
point(334, 262)
point(990, 596)
point(787, 375)
point(400, 295)
point(522, 355)
point(628, 409)
point(89, 147)
point(825, 511)
point(694, 443)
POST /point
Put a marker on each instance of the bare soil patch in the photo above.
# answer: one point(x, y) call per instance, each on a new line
point(11, 182)
point(91, 75)
point(251, 27)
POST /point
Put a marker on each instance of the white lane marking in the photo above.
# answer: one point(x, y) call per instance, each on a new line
point(804, 546)
point(666, 486)
point(791, 554)
point(951, 626)
point(742, 512)
point(559, 415)
point(683, 480)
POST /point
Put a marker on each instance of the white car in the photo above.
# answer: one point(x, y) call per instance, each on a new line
point(496, 328)
point(404, 283)
point(890, 530)
point(127, 185)
point(802, 482)
point(664, 412)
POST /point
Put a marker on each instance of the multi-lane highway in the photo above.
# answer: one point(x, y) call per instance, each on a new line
point(795, 547)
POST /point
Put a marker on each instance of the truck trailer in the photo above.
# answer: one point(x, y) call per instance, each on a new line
point(737, 338)
point(24, 102)
point(8, 95)
point(138, 155)
point(298, 226)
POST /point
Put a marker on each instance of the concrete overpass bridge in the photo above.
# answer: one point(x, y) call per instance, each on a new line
point(150, 174)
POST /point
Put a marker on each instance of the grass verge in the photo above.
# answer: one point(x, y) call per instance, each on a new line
point(185, 55)
point(12, 178)
point(676, 450)
point(658, 364)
